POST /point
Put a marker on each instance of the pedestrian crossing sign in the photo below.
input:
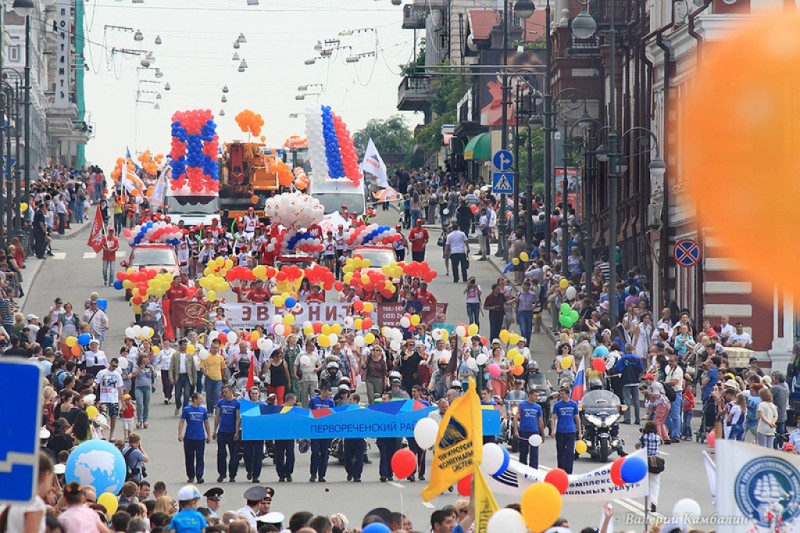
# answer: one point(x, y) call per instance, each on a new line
point(503, 182)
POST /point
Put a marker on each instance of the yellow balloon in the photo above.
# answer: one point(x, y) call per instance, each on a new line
point(156, 350)
point(540, 506)
point(211, 296)
point(324, 341)
point(505, 336)
point(150, 333)
point(369, 338)
point(358, 324)
point(523, 256)
point(23, 207)
point(255, 335)
point(92, 412)
point(336, 328)
point(445, 335)
point(326, 329)
point(515, 261)
point(519, 359)
point(512, 353)
point(564, 283)
point(415, 320)
point(368, 307)
point(71, 341)
point(288, 319)
point(580, 446)
point(109, 501)
point(308, 330)
point(513, 338)
point(472, 329)
point(566, 362)
point(190, 349)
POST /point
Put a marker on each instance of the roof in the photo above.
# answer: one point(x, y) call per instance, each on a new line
point(482, 21)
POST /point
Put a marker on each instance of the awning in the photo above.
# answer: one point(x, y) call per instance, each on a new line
point(479, 147)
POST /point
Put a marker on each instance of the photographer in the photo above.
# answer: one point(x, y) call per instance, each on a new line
point(135, 457)
point(655, 394)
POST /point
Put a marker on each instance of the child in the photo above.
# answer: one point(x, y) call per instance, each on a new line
point(736, 417)
point(128, 415)
point(688, 407)
point(188, 519)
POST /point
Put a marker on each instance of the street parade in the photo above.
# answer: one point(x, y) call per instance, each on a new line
point(548, 296)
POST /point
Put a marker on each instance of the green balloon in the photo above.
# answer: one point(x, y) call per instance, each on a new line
point(566, 321)
point(574, 315)
point(565, 308)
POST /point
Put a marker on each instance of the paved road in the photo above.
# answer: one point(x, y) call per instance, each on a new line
point(75, 272)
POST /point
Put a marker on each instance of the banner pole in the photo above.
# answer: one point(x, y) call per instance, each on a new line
point(646, 511)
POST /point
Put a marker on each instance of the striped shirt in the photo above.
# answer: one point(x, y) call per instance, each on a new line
point(650, 441)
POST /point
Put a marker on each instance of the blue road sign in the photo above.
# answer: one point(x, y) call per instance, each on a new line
point(503, 182)
point(503, 160)
point(686, 253)
point(19, 430)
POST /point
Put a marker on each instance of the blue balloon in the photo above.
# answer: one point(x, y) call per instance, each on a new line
point(376, 527)
point(96, 463)
point(227, 330)
point(290, 302)
point(103, 304)
point(633, 470)
point(118, 285)
point(84, 338)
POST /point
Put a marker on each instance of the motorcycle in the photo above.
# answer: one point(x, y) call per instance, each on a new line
point(601, 411)
point(507, 424)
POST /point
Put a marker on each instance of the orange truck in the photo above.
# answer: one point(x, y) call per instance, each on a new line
point(246, 179)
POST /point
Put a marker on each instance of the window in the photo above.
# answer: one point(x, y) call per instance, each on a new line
point(14, 54)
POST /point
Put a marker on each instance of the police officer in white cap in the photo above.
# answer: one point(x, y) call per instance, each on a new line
point(250, 511)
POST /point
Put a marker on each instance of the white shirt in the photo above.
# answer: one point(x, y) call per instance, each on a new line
point(16, 515)
point(182, 368)
point(96, 358)
point(675, 374)
point(164, 358)
point(248, 513)
point(727, 330)
point(744, 337)
point(457, 242)
point(110, 382)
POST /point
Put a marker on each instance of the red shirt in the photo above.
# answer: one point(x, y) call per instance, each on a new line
point(258, 296)
point(418, 238)
point(426, 297)
point(318, 297)
point(110, 247)
point(175, 293)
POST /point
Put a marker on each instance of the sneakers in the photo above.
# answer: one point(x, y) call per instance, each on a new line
point(322, 480)
point(281, 480)
point(383, 479)
point(220, 479)
point(232, 479)
point(411, 478)
point(312, 479)
point(288, 479)
point(349, 477)
point(357, 480)
point(200, 481)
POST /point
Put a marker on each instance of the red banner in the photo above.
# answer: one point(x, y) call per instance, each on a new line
point(96, 235)
point(390, 314)
point(188, 314)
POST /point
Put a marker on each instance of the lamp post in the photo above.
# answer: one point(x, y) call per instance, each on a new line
point(25, 8)
point(501, 213)
point(523, 9)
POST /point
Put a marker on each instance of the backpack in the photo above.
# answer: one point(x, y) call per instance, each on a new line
point(130, 473)
point(670, 393)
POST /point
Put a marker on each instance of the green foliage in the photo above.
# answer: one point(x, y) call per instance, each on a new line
point(416, 66)
point(446, 92)
point(391, 136)
point(537, 159)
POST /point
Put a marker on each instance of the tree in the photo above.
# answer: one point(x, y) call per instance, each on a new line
point(446, 91)
point(391, 136)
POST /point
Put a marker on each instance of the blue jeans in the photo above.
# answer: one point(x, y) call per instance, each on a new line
point(213, 392)
point(354, 450)
point(193, 451)
point(284, 458)
point(108, 271)
point(631, 399)
point(143, 403)
point(737, 432)
point(183, 391)
point(198, 387)
point(474, 314)
point(674, 416)
point(227, 445)
point(687, 424)
point(319, 457)
point(528, 455)
point(525, 319)
point(780, 429)
point(565, 451)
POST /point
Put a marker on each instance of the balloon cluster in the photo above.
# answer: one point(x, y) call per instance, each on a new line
point(372, 234)
point(523, 258)
point(302, 241)
point(149, 162)
point(630, 469)
point(250, 122)
point(194, 151)
point(393, 270)
point(150, 232)
point(421, 270)
point(275, 165)
point(320, 275)
point(567, 316)
point(143, 283)
point(301, 181)
point(294, 210)
point(218, 266)
point(331, 149)
point(370, 281)
point(138, 332)
point(117, 172)
point(295, 142)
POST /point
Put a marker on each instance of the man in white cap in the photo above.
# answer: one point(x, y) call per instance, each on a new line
point(250, 511)
point(33, 327)
point(110, 246)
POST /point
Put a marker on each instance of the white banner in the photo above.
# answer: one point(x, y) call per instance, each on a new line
point(373, 163)
point(62, 53)
point(757, 488)
point(159, 193)
point(591, 486)
point(247, 316)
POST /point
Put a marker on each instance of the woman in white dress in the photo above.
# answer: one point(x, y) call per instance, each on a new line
point(641, 336)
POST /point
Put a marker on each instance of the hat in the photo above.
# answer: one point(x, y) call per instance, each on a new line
point(649, 376)
point(419, 221)
point(606, 331)
point(273, 517)
point(59, 468)
point(214, 493)
point(126, 397)
point(94, 341)
point(396, 382)
point(255, 494)
point(31, 317)
point(496, 341)
point(89, 398)
point(731, 384)
point(767, 380)
point(188, 493)
point(44, 433)
point(456, 385)
point(344, 387)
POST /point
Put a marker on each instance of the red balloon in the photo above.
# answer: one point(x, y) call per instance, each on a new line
point(558, 478)
point(358, 306)
point(464, 486)
point(223, 337)
point(616, 476)
point(404, 462)
point(317, 327)
point(599, 364)
point(366, 324)
point(711, 438)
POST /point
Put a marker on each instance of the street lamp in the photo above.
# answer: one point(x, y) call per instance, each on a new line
point(222, 112)
point(242, 39)
point(225, 88)
point(158, 39)
point(23, 8)
point(224, 99)
point(524, 8)
point(138, 36)
point(583, 25)
point(235, 56)
point(167, 86)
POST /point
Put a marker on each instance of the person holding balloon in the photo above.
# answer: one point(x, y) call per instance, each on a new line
point(528, 424)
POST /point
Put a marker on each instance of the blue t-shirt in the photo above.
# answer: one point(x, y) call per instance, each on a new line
point(565, 416)
point(713, 378)
point(188, 521)
point(318, 403)
point(529, 414)
point(195, 416)
point(227, 415)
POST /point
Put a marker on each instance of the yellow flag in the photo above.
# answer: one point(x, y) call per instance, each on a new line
point(459, 443)
point(485, 504)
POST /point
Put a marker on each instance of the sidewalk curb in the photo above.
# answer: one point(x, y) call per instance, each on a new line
point(31, 275)
point(68, 235)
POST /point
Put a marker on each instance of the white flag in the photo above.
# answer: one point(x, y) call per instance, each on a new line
point(757, 488)
point(159, 193)
point(711, 474)
point(373, 163)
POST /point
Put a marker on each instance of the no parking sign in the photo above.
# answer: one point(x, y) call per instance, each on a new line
point(686, 253)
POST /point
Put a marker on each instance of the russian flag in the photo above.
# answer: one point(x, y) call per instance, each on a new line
point(579, 385)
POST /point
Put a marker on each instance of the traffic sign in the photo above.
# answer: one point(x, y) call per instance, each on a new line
point(503, 160)
point(20, 425)
point(686, 253)
point(503, 182)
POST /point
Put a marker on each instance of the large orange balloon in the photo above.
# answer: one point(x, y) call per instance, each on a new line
point(739, 150)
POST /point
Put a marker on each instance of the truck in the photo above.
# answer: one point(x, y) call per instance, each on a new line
point(245, 179)
point(190, 207)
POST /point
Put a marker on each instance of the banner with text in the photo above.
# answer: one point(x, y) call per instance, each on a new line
point(188, 314)
point(388, 419)
point(390, 314)
point(248, 315)
point(591, 486)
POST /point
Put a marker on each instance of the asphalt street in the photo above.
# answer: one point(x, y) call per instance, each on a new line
point(75, 272)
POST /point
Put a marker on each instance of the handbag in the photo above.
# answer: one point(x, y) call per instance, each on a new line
point(655, 464)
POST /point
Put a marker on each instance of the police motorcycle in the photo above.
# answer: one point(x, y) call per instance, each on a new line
point(600, 413)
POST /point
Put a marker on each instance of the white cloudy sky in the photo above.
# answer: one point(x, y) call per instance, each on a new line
point(195, 56)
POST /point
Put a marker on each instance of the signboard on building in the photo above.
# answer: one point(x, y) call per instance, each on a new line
point(62, 53)
point(574, 188)
point(522, 67)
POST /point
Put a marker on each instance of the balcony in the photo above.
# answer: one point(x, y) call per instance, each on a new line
point(414, 17)
point(413, 94)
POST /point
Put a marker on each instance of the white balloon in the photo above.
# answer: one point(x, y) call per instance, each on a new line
point(445, 212)
point(472, 364)
point(279, 330)
point(232, 337)
point(305, 360)
point(359, 341)
point(334, 339)
point(203, 355)
point(685, 509)
point(146, 332)
point(213, 335)
point(495, 459)
point(535, 440)
point(425, 432)
point(395, 345)
point(436, 334)
point(277, 319)
point(307, 324)
point(130, 332)
point(348, 322)
point(137, 330)
point(482, 358)
point(461, 331)
point(571, 293)
point(123, 363)
point(506, 521)
point(405, 322)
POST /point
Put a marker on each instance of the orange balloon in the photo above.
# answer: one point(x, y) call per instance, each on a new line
point(518, 370)
point(739, 149)
point(76, 350)
point(254, 199)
